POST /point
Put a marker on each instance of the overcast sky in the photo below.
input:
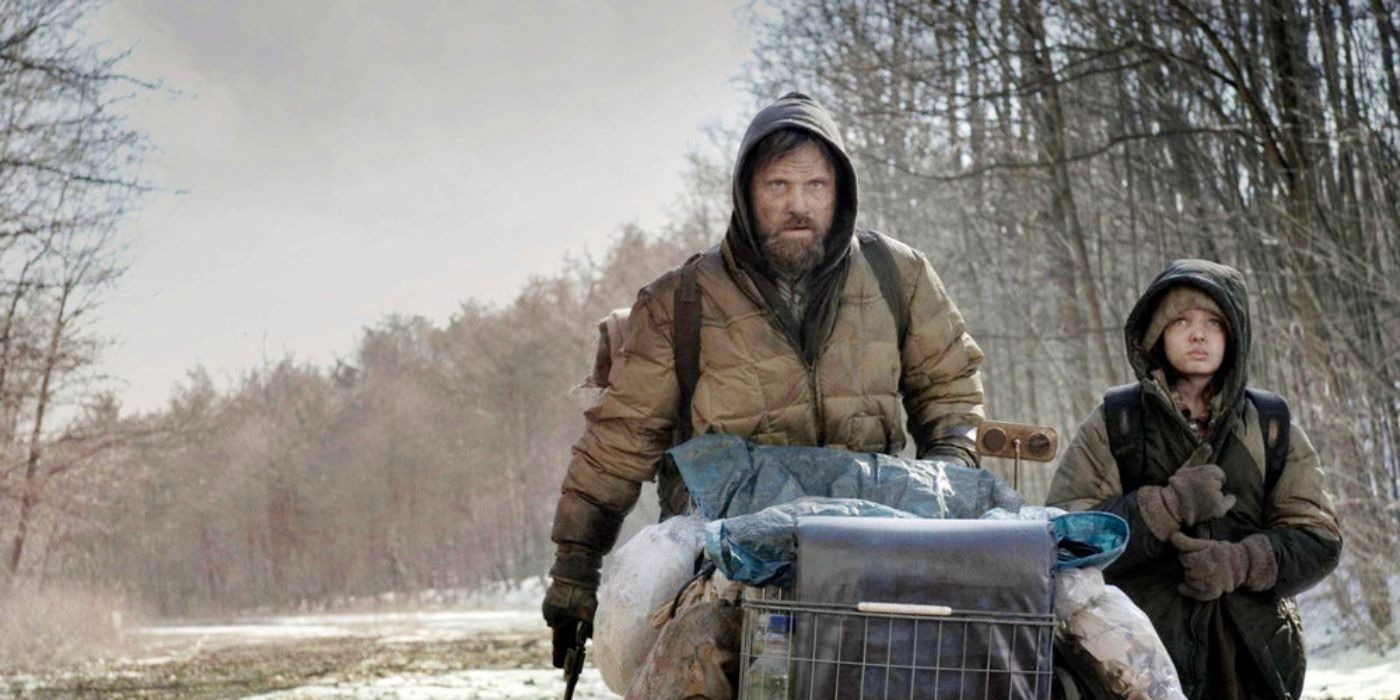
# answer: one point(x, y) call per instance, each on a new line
point(341, 161)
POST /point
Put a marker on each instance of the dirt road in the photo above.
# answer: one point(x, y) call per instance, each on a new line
point(472, 655)
point(403, 655)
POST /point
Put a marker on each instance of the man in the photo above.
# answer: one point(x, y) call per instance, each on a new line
point(798, 346)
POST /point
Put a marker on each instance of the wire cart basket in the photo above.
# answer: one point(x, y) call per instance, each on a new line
point(808, 649)
point(887, 651)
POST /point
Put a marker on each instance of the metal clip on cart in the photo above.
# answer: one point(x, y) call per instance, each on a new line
point(913, 609)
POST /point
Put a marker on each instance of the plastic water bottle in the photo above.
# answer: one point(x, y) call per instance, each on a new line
point(768, 674)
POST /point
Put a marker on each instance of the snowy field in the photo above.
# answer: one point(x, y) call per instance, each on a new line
point(473, 654)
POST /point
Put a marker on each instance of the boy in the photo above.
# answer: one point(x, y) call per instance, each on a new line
point(1223, 494)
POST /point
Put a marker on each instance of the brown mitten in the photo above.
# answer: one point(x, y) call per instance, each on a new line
point(1192, 495)
point(1214, 568)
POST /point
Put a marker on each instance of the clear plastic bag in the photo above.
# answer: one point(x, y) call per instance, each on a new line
point(1115, 636)
point(644, 572)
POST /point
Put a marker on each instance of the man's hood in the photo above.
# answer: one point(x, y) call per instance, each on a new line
point(792, 111)
point(742, 240)
point(1223, 284)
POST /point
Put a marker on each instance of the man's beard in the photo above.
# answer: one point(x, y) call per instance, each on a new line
point(790, 257)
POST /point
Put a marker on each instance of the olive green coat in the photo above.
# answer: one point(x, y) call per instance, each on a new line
point(1296, 515)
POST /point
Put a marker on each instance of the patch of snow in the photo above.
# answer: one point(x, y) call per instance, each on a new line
point(1339, 666)
point(403, 626)
point(518, 595)
point(1354, 673)
point(246, 631)
point(479, 618)
point(514, 684)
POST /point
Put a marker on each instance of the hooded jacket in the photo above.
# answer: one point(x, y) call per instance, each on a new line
point(836, 378)
point(1259, 630)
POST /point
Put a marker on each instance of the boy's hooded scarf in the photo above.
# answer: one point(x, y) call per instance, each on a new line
point(1225, 286)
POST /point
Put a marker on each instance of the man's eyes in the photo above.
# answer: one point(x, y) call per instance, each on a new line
point(813, 186)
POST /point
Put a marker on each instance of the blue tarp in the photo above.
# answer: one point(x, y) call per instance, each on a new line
point(728, 476)
point(753, 494)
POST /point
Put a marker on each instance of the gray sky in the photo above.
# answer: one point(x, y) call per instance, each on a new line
point(342, 161)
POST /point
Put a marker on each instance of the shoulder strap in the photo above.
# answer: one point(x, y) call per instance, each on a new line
point(685, 344)
point(1122, 414)
point(877, 253)
point(1274, 421)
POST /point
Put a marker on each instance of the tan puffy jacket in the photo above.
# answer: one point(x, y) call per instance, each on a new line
point(755, 383)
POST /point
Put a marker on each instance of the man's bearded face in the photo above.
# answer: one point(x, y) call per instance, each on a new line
point(794, 198)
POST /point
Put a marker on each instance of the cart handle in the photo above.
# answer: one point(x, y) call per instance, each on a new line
point(905, 609)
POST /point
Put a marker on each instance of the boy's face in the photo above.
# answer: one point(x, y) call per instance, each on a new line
point(1195, 342)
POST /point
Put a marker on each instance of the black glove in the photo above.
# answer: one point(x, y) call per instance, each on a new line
point(565, 606)
point(583, 531)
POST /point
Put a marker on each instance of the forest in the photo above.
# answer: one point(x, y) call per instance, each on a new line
point(1048, 155)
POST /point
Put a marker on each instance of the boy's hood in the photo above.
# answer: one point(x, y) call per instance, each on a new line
point(1222, 283)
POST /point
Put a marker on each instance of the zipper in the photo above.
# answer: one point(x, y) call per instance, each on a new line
point(818, 413)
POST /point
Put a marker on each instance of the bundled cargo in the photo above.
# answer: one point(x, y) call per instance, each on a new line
point(644, 573)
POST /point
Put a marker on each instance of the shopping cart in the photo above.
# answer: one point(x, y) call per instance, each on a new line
point(906, 609)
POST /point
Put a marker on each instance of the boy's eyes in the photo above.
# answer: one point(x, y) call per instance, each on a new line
point(1212, 321)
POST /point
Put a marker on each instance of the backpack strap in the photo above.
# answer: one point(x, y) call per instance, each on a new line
point(685, 344)
point(876, 249)
point(1274, 422)
point(1122, 414)
point(1122, 408)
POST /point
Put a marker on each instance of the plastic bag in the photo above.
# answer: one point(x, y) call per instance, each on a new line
point(645, 571)
point(1102, 624)
point(1082, 539)
point(758, 549)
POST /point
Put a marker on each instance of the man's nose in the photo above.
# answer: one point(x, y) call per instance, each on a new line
point(797, 201)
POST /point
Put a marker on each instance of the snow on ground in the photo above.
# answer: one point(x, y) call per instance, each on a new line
point(495, 646)
point(399, 626)
point(428, 680)
point(1354, 673)
point(1338, 667)
point(525, 684)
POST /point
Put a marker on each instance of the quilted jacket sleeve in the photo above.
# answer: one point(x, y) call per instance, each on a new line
point(631, 425)
point(1302, 524)
point(941, 382)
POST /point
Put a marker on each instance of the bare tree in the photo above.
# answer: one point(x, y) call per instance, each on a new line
point(67, 176)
